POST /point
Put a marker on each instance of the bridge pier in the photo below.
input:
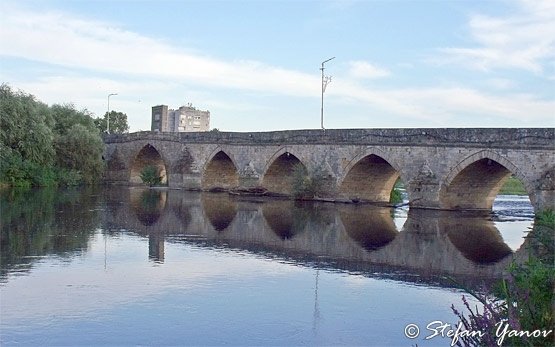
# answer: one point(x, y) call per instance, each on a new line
point(543, 200)
point(543, 196)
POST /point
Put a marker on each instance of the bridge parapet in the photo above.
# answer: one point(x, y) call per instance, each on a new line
point(530, 138)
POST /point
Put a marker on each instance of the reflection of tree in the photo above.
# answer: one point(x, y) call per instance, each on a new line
point(45, 222)
point(148, 205)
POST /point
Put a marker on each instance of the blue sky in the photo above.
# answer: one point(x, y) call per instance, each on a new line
point(255, 64)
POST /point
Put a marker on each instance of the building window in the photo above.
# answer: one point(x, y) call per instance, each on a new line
point(157, 116)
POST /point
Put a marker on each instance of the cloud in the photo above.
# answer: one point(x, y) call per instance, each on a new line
point(525, 41)
point(98, 57)
point(454, 106)
point(500, 83)
point(366, 70)
point(58, 38)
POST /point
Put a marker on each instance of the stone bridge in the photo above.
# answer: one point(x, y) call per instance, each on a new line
point(448, 169)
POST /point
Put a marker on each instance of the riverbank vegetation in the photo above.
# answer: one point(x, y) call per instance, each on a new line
point(520, 310)
point(513, 186)
point(396, 195)
point(150, 176)
point(43, 145)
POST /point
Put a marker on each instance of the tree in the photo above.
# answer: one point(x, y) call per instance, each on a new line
point(80, 150)
point(118, 123)
point(77, 143)
point(66, 116)
point(150, 176)
point(24, 127)
point(42, 145)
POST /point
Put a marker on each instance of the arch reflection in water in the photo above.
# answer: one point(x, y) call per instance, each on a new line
point(430, 242)
point(475, 236)
point(220, 209)
point(371, 227)
point(286, 218)
point(148, 204)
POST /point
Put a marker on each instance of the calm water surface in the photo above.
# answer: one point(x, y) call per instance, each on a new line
point(128, 266)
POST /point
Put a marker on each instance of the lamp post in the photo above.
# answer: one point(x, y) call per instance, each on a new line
point(108, 114)
point(325, 81)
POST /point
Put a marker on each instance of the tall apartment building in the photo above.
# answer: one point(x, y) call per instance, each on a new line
point(184, 119)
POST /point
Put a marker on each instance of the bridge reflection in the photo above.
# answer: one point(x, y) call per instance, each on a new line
point(372, 228)
point(347, 237)
point(219, 209)
point(429, 243)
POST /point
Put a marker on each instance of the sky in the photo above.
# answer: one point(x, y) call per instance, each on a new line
point(255, 65)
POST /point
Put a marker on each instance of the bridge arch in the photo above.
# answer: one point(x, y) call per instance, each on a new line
point(220, 171)
point(475, 182)
point(148, 155)
point(370, 176)
point(278, 176)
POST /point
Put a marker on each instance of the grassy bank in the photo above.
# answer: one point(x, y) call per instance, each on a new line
point(513, 186)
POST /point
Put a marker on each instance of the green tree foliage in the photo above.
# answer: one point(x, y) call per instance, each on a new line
point(396, 197)
point(118, 123)
point(25, 128)
point(150, 176)
point(44, 146)
point(80, 150)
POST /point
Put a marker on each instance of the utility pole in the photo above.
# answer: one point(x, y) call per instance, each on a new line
point(325, 81)
point(108, 114)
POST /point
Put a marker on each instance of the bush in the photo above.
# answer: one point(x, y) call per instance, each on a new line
point(150, 176)
point(395, 197)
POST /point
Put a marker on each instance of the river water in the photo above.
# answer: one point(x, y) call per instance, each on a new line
point(129, 266)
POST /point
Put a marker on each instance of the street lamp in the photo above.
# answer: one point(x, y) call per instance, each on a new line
point(108, 114)
point(325, 81)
